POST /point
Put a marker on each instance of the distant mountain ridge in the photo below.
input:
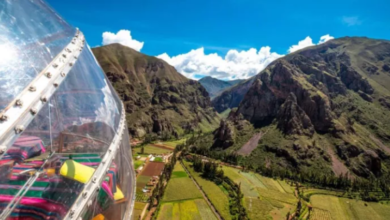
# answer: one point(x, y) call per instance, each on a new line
point(157, 98)
point(215, 86)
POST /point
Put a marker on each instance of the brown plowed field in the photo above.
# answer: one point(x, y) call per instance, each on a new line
point(153, 169)
point(161, 146)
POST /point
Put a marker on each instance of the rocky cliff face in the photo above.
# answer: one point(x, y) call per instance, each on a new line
point(331, 97)
point(157, 98)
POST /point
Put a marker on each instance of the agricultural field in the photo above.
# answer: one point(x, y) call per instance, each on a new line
point(138, 208)
point(173, 144)
point(218, 196)
point(264, 198)
point(152, 149)
point(181, 188)
point(183, 200)
point(153, 169)
point(186, 210)
point(343, 208)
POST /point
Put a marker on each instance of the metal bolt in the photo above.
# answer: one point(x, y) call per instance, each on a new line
point(62, 74)
point(94, 179)
point(70, 64)
point(32, 89)
point(19, 129)
point(75, 57)
point(68, 50)
point(85, 194)
point(71, 213)
point(55, 85)
point(64, 55)
point(3, 118)
point(48, 74)
point(43, 99)
point(18, 102)
point(33, 111)
point(55, 65)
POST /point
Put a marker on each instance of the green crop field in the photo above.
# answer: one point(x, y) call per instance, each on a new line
point(216, 195)
point(149, 149)
point(264, 198)
point(138, 163)
point(248, 188)
point(186, 210)
point(183, 200)
point(142, 181)
point(178, 171)
point(343, 208)
point(138, 208)
point(173, 144)
point(179, 174)
point(180, 187)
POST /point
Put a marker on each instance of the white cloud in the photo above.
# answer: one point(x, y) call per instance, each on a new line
point(307, 42)
point(235, 64)
point(123, 37)
point(325, 38)
point(351, 20)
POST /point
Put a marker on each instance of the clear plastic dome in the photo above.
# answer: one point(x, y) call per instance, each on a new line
point(65, 151)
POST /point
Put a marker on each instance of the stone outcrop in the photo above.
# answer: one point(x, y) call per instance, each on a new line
point(292, 119)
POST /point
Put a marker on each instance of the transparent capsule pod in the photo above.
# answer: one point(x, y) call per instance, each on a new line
point(64, 146)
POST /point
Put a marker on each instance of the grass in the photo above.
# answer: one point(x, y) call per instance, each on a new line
point(138, 208)
point(138, 163)
point(181, 187)
point(343, 208)
point(257, 208)
point(173, 144)
point(247, 187)
point(217, 197)
point(149, 149)
point(179, 174)
point(142, 181)
point(186, 210)
point(158, 159)
point(277, 195)
point(264, 198)
point(225, 113)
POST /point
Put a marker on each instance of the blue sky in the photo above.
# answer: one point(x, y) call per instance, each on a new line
point(177, 27)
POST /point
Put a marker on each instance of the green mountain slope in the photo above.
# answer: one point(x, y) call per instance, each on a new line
point(324, 108)
point(216, 86)
point(157, 98)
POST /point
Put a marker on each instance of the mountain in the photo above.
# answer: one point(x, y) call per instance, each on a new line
point(325, 109)
point(215, 86)
point(157, 98)
point(231, 97)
